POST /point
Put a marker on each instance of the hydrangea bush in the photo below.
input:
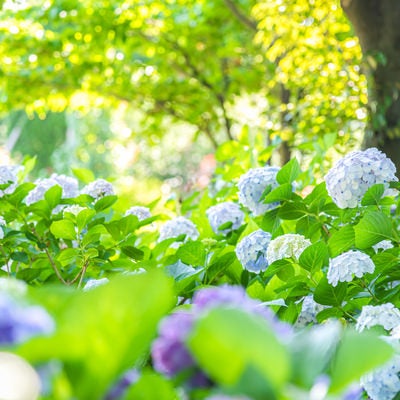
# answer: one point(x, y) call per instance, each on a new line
point(256, 290)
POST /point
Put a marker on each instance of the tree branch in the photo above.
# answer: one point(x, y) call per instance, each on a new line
point(244, 19)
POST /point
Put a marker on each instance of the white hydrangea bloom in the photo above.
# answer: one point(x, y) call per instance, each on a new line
point(253, 184)
point(13, 287)
point(309, 310)
point(176, 227)
point(74, 209)
point(94, 283)
point(8, 174)
point(383, 245)
point(351, 176)
point(251, 251)
point(386, 315)
point(344, 267)
point(384, 382)
point(68, 185)
point(223, 213)
point(141, 212)
point(98, 188)
point(290, 245)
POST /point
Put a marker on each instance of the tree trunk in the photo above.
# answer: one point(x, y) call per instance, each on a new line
point(284, 149)
point(377, 25)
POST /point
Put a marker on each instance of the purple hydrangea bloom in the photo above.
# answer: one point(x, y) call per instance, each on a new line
point(169, 352)
point(19, 323)
point(129, 378)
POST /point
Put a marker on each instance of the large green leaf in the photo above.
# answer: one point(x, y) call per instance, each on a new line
point(330, 295)
point(64, 229)
point(373, 227)
point(237, 340)
point(289, 172)
point(342, 240)
point(314, 257)
point(102, 332)
point(357, 354)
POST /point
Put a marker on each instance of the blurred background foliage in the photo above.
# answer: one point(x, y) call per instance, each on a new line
point(142, 92)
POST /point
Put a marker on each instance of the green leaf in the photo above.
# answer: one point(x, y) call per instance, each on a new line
point(357, 354)
point(133, 252)
point(329, 295)
point(329, 313)
point(102, 332)
point(280, 193)
point(67, 256)
point(243, 340)
point(20, 193)
point(373, 195)
point(192, 253)
point(151, 386)
point(84, 175)
point(53, 196)
point(373, 227)
point(289, 172)
point(314, 257)
point(84, 217)
point(293, 210)
point(64, 229)
point(219, 265)
point(105, 202)
point(341, 241)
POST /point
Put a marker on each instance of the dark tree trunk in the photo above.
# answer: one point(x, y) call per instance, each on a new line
point(377, 25)
point(284, 149)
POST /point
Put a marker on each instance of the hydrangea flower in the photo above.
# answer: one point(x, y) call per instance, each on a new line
point(8, 174)
point(13, 287)
point(129, 378)
point(98, 189)
point(251, 251)
point(383, 383)
point(141, 212)
point(344, 267)
point(386, 315)
point(223, 213)
point(169, 351)
point(176, 227)
point(94, 283)
point(252, 185)
point(351, 176)
point(309, 311)
point(19, 322)
point(383, 245)
point(290, 245)
point(69, 188)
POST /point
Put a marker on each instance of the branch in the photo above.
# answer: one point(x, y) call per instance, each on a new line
point(244, 19)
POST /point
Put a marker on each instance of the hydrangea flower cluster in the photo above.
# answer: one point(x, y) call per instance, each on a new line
point(8, 175)
point(68, 184)
point(251, 251)
point(383, 383)
point(169, 351)
point(94, 283)
point(141, 212)
point(98, 189)
point(386, 315)
point(290, 245)
point(176, 227)
point(309, 311)
point(224, 213)
point(19, 322)
point(252, 185)
point(383, 245)
point(351, 176)
point(344, 267)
